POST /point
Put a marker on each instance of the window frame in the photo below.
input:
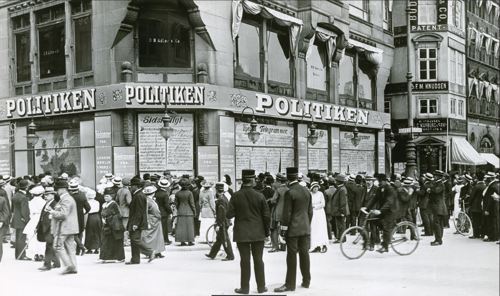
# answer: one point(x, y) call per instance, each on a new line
point(427, 60)
point(361, 13)
point(318, 92)
point(18, 31)
point(428, 105)
point(74, 17)
point(461, 107)
point(453, 106)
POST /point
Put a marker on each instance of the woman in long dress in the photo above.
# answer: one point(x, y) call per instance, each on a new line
point(93, 227)
point(153, 236)
point(207, 206)
point(112, 231)
point(319, 229)
point(184, 202)
point(36, 204)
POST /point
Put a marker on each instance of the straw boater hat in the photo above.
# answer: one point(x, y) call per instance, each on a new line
point(468, 177)
point(37, 190)
point(408, 181)
point(207, 184)
point(7, 178)
point(164, 183)
point(149, 190)
point(2, 181)
point(73, 185)
point(64, 176)
point(49, 190)
point(117, 181)
point(108, 176)
point(489, 175)
point(429, 176)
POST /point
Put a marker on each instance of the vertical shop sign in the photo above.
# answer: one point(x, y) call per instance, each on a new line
point(4, 150)
point(335, 149)
point(302, 147)
point(227, 148)
point(124, 161)
point(381, 152)
point(442, 12)
point(208, 163)
point(103, 150)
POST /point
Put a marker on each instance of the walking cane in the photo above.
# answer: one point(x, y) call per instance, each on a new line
point(26, 246)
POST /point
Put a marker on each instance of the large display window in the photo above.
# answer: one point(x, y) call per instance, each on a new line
point(360, 158)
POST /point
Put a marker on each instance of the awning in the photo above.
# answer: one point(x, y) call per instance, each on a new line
point(324, 36)
point(463, 153)
point(491, 159)
point(373, 54)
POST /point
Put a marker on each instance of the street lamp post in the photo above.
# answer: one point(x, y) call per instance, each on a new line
point(392, 144)
point(253, 135)
point(411, 156)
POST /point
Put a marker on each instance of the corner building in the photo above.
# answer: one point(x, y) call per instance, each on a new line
point(95, 76)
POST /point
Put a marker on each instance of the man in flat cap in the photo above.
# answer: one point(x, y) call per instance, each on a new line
point(296, 228)
point(251, 227)
point(339, 206)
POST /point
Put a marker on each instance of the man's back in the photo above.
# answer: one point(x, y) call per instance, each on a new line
point(297, 211)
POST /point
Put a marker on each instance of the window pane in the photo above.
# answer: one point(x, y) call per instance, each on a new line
point(248, 47)
point(432, 53)
point(346, 90)
point(432, 74)
point(365, 86)
point(423, 53)
point(51, 44)
point(279, 65)
point(87, 133)
point(83, 44)
point(423, 65)
point(164, 43)
point(316, 69)
point(423, 106)
point(432, 65)
point(432, 106)
point(23, 66)
point(423, 75)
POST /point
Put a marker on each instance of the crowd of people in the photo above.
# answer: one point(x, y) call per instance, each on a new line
point(54, 219)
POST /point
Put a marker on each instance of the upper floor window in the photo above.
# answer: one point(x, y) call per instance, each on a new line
point(279, 54)
point(349, 74)
point(21, 30)
point(387, 14)
point(317, 67)
point(453, 106)
point(164, 40)
point(461, 108)
point(427, 63)
point(457, 67)
point(51, 41)
point(359, 8)
point(457, 18)
point(82, 26)
point(427, 12)
point(428, 106)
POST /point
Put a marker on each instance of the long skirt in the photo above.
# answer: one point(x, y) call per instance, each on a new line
point(111, 248)
point(184, 230)
point(153, 238)
point(319, 229)
point(204, 225)
point(93, 231)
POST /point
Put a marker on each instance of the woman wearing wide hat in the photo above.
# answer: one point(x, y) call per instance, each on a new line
point(112, 230)
point(319, 229)
point(186, 210)
point(153, 235)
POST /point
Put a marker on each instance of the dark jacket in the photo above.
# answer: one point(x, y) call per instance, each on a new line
point(268, 194)
point(4, 209)
point(221, 204)
point(423, 195)
point(162, 199)
point(185, 204)
point(278, 201)
point(386, 201)
point(476, 197)
point(20, 210)
point(339, 205)
point(402, 202)
point(251, 215)
point(112, 221)
point(82, 208)
point(329, 192)
point(437, 199)
point(43, 229)
point(371, 194)
point(196, 201)
point(297, 211)
point(137, 215)
point(489, 203)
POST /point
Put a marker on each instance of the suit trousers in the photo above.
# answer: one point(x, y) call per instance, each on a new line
point(50, 255)
point(256, 249)
point(65, 247)
point(78, 241)
point(426, 220)
point(2, 233)
point(437, 227)
point(275, 240)
point(165, 227)
point(137, 246)
point(477, 221)
point(20, 244)
point(329, 219)
point(339, 226)
point(223, 240)
point(301, 245)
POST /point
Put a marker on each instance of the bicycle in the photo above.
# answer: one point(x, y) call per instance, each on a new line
point(463, 223)
point(211, 234)
point(405, 237)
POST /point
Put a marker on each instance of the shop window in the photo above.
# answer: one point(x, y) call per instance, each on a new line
point(427, 12)
point(164, 40)
point(51, 41)
point(427, 62)
point(20, 26)
point(365, 86)
point(81, 14)
point(317, 72)
point(359, 8)
point(428, 106)
point(453, 106)
point(387, 15)
point(346, 87)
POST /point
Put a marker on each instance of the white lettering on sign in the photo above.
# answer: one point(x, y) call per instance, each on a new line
point(157, 95)
point(66, 102)
point(323, 111)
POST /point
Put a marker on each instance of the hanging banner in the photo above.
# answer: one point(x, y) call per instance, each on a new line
point(124, 161)
point(103, 150)
point(208, 163)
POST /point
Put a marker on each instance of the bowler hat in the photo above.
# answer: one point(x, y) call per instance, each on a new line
point(220, 184)
point(292, 171)
point(108, 191)
point(23, 184)
point(135, 181)
point(340, 178)
point(60, 184)
point(245, 174)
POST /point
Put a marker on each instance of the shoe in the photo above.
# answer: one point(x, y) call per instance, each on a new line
point(316, 250)
point(305, 285)
point(44, 268)
point(168, 243)
point(96, 251)
point(36, 258)
point(262, 290)
point(273, 251)
point(151, 257)
point(241, 291)
point(88, 252)
point(183, 244)
point(56, 266)
point(324, 249)
point(190, 244)
point(472, 237)
point(208, 256)
point(370, 248)
point(159, 255)
point(435, 243)
point(283, 288)
point(425, 234)
point(69, 271)
point(25, 258)
point(383, 250)
point(337, 241)
point(131, 263)
point(83, 250)
point(228, 259)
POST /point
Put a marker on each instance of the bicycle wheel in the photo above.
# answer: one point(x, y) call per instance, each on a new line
point(211, 235)
point(405, 238)
point(353, 246)
point(463, 224)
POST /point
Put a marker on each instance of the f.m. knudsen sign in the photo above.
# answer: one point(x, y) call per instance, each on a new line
point(417, 86)
point(158, 94)
point(320, 111)
point(54, 103)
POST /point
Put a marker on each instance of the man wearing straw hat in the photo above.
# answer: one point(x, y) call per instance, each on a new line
point(162, 198)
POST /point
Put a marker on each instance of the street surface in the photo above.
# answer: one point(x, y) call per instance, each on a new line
point(460, 266)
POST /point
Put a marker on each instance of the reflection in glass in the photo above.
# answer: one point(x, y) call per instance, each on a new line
point(83, 44)
point(316, 69)
point(247, 50)
point(346, 68)
point(23, 66)
point(365, 86)
point(279, 53)
point(51, 45)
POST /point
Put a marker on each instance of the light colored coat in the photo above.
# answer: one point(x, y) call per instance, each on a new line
point(65, 214)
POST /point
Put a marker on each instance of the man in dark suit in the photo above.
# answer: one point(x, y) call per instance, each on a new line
point(251, 227)
point(329, 192)
point(222, 239)
point(437, 204)
point(296, 228)
point(44, 231)
point(475, 207)
point(82, 208)
point(20, 217)
point(162, 199)
point(4, 215)
point(137, 221)
point(423, 195)
point(339, 206)
point(490, 207)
